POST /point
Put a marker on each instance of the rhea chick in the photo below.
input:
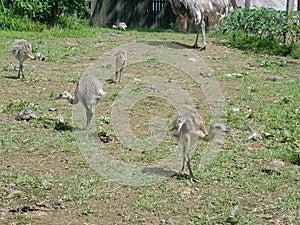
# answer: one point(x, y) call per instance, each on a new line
point(120, 26)
point(188, 127)
point(88, 91)
point(121, 60)
point(22, 50)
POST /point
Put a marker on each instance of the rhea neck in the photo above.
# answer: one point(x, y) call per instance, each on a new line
point(71, 99)
point(216, 131)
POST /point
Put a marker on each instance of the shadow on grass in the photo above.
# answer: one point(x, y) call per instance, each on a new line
point(159, 171)
point(110, 81)
point(185, 177)
point(296, 159)
point(12, 77)
point(173, 44)
point(63, 127)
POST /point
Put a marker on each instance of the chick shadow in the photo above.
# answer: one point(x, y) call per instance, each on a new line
point(13, 77)
point(185, 45)
point(173, 44)
point(166, 173)
point(159, 171)
point(110, 81)
point(180, 176)
point(65, 127)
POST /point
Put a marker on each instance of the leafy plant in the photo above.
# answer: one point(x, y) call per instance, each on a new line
point(264, 23)
point(8, 21)
point(275, 32)
point(48, 11)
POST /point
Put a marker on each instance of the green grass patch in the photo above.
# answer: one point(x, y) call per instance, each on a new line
point(40, 158)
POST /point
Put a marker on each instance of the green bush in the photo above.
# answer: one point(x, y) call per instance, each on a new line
point(262, 29)
point(10, 22)
point(264, 23)
point(71, 23)
point(46, 11)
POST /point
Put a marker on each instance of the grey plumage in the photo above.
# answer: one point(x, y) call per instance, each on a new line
point(121, 60)
point(22, 50)
point(25, 114)
point(120, 26)
point(88, 91)
point(188, 127)
point(197, 10)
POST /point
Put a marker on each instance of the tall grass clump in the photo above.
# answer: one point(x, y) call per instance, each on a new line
point(8, 21)
point(35, 15)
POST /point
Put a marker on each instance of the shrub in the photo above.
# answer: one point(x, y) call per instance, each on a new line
point(10, 22)
point(264, 23)
point(262, 29)
point(46, 11)
point(71, 23)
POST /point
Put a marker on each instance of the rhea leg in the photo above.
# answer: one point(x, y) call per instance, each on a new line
point(183, 163)
point(117, 72)
point(190, 168)
point(20, 70)
point(185, 148)
point(196, 41)
point(120, 75)
point(89, 115)
point(203, 35)
point(186, 145)
point(186, 156)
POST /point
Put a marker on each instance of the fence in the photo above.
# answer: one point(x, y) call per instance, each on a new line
point(136, 13)
point(159, 13)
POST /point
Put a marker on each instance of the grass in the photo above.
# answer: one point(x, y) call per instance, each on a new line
point(267, 45)
point(45, 178)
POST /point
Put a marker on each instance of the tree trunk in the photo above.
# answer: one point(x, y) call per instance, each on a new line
point(247, 4)
point(298, 5)
point(96, 18)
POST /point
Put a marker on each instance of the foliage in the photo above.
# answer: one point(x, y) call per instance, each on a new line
point(71, 23)
point(47, 11)
point(10, 22)
point(263, 29)
point(264, 23)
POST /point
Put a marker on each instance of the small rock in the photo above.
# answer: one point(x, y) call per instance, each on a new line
point(205, 74)
point(253, 136)
point(186, 193)
point(235, 109)
point(273, 79)
point(277, 162)
point(234, 75)
point(253, 64)
point(26, 114)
